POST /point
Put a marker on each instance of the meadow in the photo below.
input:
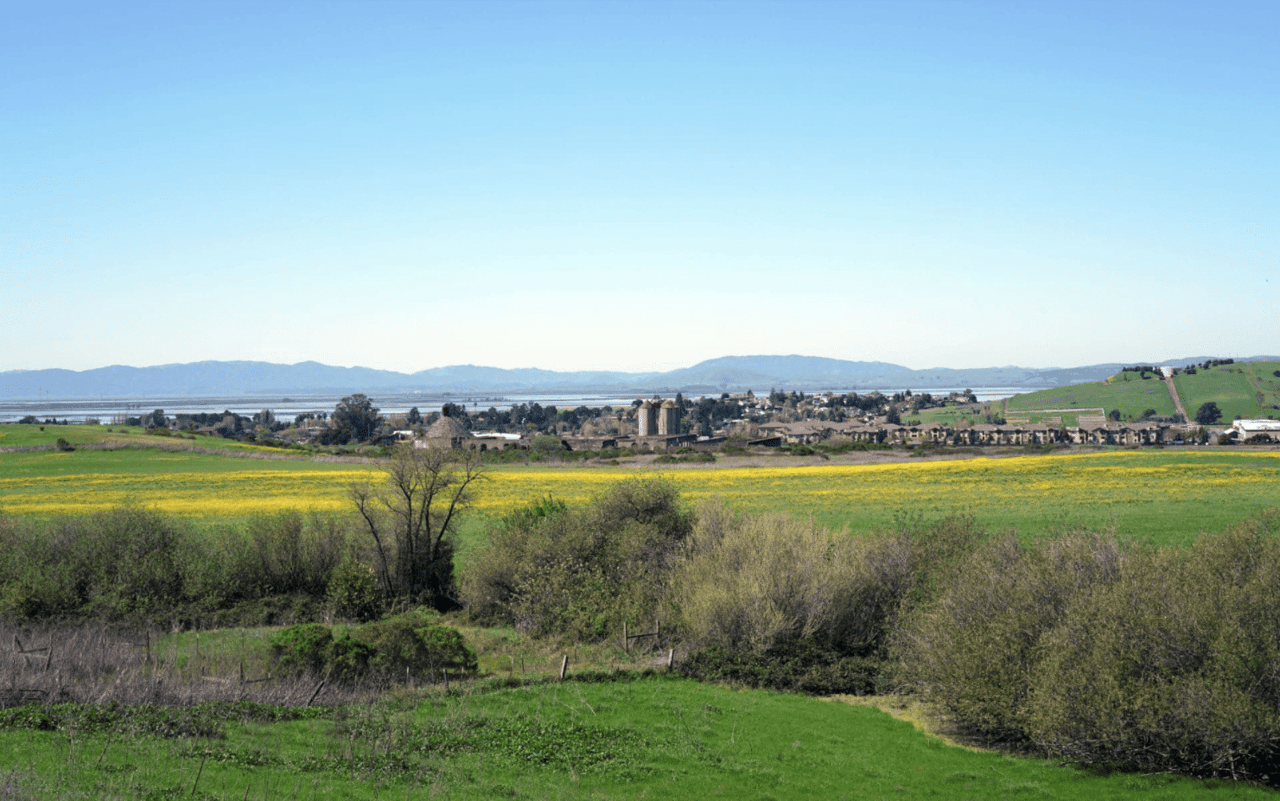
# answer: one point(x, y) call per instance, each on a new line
point(603, 737)
point(1165, 495)
point(517, 733)
point(1126, 392)
point(1247, 389)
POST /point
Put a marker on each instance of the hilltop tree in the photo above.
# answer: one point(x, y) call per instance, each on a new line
point(1208, 414)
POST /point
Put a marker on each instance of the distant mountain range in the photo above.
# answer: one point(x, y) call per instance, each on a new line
point(726, 374)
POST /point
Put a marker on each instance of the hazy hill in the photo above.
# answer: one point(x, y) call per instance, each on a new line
point(726, 374)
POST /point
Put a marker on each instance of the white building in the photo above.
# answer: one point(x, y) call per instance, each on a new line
point(1245, 429)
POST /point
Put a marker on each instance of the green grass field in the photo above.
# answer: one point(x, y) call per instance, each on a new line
point(26, 436)
point(624, 739)
point(653, 737)
point(1165, 495)
point(1247, 389)
point(1132, 397)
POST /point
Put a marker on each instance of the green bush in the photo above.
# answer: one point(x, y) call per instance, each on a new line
point(411, 643)
point(313, 648)
point(306, 646)
point(414, 643)
point(296, 553)
point(1174, 666)
point(583, 572)
point(1084, 647)
point(136, 563)
point(799, 666)
point(971, 646)
point(354, 592)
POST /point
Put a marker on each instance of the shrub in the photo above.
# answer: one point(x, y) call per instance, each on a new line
point(354, 592)
point(1173, 666)
point(581, 572)
point(296, 553)
point(971, 646)
point(799, 666)
point(305, 646)
point(413, 642)
point(749, 583)
point(312, 647)
point(138, 560)
point(547, 443)
point(774, 601)
point(489, 584)
point(136, 563)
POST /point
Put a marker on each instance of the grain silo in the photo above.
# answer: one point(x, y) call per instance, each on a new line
point(668, 419)
point(647, 418)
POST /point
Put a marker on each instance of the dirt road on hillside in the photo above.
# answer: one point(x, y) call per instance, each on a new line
point(1177, 402)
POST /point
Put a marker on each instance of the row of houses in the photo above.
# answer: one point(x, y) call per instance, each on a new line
point(812, 431)
point(446, 432)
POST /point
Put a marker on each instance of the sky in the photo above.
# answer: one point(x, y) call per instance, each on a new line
point(637, 186)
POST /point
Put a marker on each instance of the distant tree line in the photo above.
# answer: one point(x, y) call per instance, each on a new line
point(530, 417)
point(1190, 369)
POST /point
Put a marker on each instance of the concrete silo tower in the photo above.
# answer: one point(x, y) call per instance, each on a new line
point(668, 419)
point(647, 417)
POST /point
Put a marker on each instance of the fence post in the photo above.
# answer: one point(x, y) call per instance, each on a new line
point(564, 666)
point(626, 641)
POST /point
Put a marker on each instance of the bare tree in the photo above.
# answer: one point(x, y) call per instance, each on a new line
point(412, 518)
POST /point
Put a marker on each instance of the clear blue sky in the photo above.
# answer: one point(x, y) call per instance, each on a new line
point(637, 185)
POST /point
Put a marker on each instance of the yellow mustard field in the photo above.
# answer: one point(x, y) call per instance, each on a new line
point(1158, 493)
point(1149, 492)
point(221, 495)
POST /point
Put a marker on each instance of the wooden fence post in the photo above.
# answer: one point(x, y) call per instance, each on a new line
point(564, 666)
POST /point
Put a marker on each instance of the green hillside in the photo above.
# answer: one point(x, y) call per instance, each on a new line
point(1248, 389)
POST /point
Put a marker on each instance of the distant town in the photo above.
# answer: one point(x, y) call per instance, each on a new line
point(776, 419)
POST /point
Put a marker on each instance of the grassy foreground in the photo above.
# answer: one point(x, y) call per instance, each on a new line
point(612, 738)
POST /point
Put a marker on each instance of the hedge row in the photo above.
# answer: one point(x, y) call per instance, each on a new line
point(137, 563)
